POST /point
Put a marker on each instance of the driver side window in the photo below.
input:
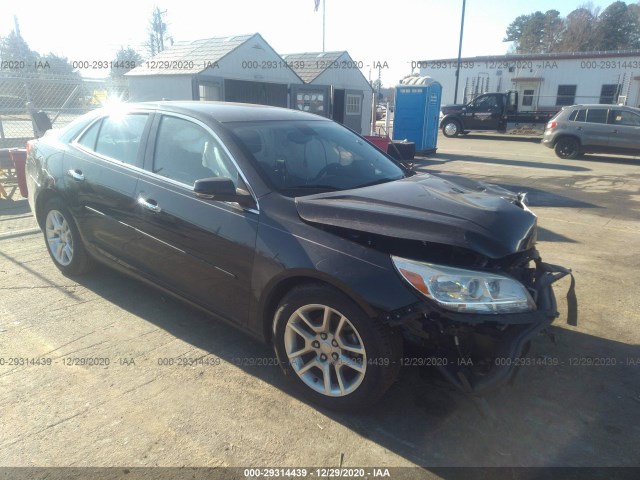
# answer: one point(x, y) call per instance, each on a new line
point(485, 103)
point(187, 152)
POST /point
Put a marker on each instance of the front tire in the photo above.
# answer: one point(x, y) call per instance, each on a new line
point(63, 240)
point(336, 355)
point(567, 148)
point(451, 128)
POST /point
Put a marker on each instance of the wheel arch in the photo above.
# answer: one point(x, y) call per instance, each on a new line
point(42, 199)
point(567, 135)
point(452, 117)
point(278, 288)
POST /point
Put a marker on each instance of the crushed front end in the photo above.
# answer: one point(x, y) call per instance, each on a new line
point(479, 348)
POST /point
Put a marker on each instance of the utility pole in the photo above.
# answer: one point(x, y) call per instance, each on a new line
point(455, 93)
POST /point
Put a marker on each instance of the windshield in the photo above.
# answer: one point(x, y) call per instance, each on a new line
point(300, 157)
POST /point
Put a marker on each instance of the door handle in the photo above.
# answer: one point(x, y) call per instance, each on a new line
point(76, 174)
point(150, 204)
point(614, 131)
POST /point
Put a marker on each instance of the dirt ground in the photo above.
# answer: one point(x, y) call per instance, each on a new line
point(135, 406)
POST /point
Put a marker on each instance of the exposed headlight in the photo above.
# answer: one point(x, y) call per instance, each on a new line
point(467, 291)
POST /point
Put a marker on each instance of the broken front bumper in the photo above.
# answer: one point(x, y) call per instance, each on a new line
point(461, 341)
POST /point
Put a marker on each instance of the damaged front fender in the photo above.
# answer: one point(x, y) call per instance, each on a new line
point(478, 352)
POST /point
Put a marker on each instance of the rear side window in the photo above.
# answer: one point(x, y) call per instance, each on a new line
point(119, 137)
point(597, 115)
point(578, 115)
point(88, 140)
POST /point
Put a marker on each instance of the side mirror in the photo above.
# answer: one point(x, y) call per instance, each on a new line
point(222, 189)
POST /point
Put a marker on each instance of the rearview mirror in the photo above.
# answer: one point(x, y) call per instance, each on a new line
point(223, 189)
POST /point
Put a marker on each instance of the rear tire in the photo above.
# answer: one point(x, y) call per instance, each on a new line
point(63, 240)
point(335, 354)
point(567, 148)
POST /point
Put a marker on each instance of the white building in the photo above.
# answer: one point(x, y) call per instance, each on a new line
point(544, 81)
point(239, 68)
point(245, 68)
point(337, 79)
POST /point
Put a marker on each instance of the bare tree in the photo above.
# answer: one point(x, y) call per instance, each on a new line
point(158, 37)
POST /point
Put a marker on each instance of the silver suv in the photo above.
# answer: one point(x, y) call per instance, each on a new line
point(594, 129)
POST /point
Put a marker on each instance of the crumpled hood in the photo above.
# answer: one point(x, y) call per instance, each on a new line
point(484, 218)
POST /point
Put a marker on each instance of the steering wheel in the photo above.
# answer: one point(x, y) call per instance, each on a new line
point(329, 169)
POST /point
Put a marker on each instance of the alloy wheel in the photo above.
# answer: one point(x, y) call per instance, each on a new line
point(59, 237)
point(325, 350)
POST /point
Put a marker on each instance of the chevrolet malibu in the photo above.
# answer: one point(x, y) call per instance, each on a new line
point(304, 235)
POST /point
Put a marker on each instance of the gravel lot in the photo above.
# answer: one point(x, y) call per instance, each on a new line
point(581, 409)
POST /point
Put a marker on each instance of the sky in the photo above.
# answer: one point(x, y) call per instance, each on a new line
point(374, 32)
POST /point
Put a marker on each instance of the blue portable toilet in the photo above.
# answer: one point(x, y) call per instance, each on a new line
point(416, 114)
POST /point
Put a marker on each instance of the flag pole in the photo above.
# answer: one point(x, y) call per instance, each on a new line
point(324, 3)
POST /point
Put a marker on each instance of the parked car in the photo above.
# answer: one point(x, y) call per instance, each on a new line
point(594, 129)
point(303, 234)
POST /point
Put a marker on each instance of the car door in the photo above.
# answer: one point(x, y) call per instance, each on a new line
point(200, 248)
point(591, 126)
point(484, 113)
point(625, 131)
point(102, 166)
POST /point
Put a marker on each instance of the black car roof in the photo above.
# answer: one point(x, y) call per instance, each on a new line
point(229, 112)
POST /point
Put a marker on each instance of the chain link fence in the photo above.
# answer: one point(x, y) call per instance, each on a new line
point(62, 98)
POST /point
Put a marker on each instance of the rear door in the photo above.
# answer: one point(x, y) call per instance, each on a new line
point(102, 168)
point(594, 129)
point(625, 130)
point(202, 249)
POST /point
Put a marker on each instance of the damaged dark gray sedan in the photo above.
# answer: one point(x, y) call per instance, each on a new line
point(301, 233)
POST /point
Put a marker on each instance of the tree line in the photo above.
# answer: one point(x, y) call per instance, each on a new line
point(585, 29)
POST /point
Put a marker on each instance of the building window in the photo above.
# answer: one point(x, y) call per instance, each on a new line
point(209, 91)
point(527, 98)
point(354, 104)
point(566, 95)
point(609, 94)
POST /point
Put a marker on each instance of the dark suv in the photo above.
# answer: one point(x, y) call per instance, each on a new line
point(594, 129)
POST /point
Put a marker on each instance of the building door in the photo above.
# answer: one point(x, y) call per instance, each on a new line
point(353, 110)
point(528, 95)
